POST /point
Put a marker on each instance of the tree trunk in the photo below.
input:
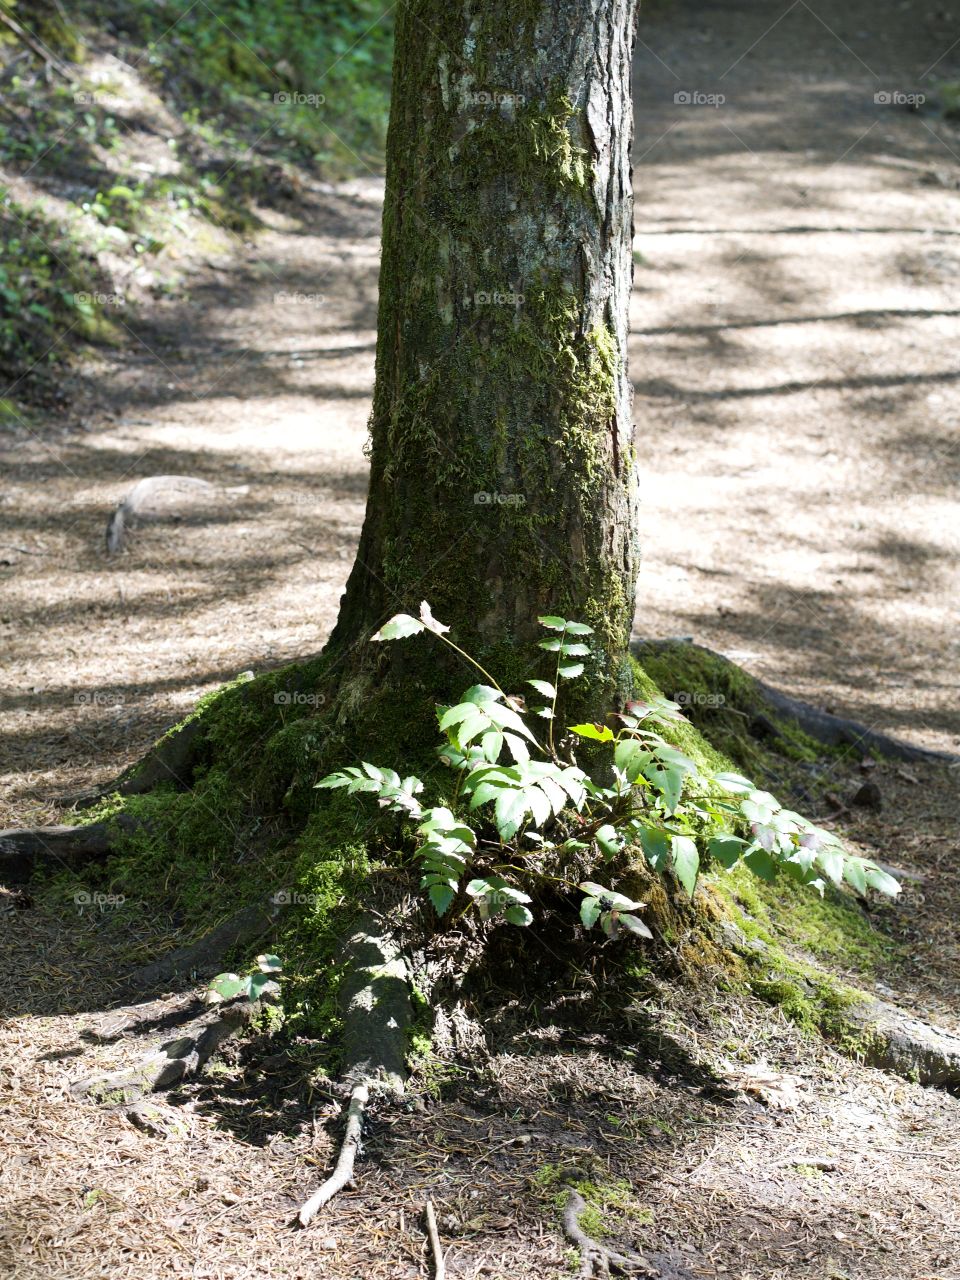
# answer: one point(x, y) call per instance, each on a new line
point(502, 469)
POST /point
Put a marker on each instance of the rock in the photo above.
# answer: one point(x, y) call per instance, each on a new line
point(869, 796)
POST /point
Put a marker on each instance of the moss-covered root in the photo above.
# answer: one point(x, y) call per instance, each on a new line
point(22, 850)
point(678, 663)
point(173, 1062)
point(375, 1000)
point(596, 1259)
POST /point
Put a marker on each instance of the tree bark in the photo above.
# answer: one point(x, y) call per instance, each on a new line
point(502, 467)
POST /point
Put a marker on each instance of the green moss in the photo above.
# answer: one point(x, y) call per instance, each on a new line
point(721, 700)
point(329, 879)
point(610, 1203)
point(833, 927)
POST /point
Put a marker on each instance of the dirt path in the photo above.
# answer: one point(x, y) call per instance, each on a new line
point(794, 347)
point(795, 336)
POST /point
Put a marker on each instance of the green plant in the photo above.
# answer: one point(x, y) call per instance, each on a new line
point(259, 982)
point(652, 797)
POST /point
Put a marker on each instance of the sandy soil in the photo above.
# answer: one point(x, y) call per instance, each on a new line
point(795, 328)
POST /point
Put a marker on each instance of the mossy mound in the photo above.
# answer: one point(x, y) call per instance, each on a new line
point(253, 823)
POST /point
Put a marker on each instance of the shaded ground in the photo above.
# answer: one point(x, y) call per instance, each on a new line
point(794, 348)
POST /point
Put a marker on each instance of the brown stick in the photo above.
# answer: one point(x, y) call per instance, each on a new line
point(433, 1235)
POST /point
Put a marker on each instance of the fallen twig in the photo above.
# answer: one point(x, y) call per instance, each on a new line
point(433, 1235)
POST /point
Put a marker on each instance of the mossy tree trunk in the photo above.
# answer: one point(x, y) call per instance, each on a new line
point(502, 468)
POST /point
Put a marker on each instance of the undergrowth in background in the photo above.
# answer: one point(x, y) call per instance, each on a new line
point(315, 74)
point(152, 120)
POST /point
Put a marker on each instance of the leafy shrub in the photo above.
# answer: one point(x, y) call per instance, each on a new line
point(523, 814)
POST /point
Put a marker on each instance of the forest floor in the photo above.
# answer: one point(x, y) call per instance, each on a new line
point(795, 329)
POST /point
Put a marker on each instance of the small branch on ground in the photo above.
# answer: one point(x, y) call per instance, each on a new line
point(596, 1259)
point(433, 1235)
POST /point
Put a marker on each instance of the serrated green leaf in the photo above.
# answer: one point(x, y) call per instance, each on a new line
point(574, 650)
point(570, 672)
point(855, 875)
point(510, 810)
point(543, 687)
point(399, 627)
point(579, 629)
point(454, 715)
point(480, 693)
point(669, 782)
point(518, 915)
point(227, 986)
point(656, 847)
point(831, 860)
point(761, 863)
point(635, 925)
point(609, 840)
point(552, 645)
point(589, 910)
point(441, 896)
point(551, 622)
point(735, 783)
point(540, 805)
point(259, 984)
point(598, 732)
point(881, 881)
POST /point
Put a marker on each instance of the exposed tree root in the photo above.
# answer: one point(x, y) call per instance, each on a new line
point(375, 1001)
point(831, 730)
point(598, 1259)
point(906, 1046)
point(171, 759)
point(22, 850)
point(173, 1062)
point(343, 1169)
point(202, 958)
point(881, 1034)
